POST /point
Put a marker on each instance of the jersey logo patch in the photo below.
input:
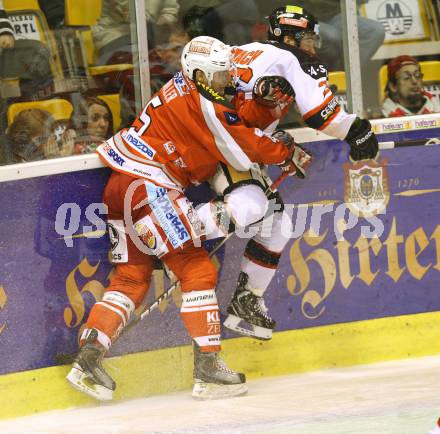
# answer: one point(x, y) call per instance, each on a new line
point(310, 64)
point(231, 118)
point(320, 118)
point(315, 70)
point(167, 216)
point(133, 139)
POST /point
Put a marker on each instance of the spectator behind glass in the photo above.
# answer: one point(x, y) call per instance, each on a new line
point(328, 13)
point(91, 123)
point(202, 21)
point(32, 137)
point(164, 62)
point(112, 33)
point(7, 36)
point(404, 93)
point(53, 11)
point(234, 18)
point(25, 59)
point(164, 59)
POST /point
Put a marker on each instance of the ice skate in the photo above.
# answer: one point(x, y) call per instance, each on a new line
point(213, 379)
point(250, 310)
point(87, 374)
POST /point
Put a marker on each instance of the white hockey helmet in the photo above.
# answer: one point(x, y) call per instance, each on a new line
point(207, 54)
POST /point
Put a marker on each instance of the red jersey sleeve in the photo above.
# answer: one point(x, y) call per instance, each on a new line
point(255, 114)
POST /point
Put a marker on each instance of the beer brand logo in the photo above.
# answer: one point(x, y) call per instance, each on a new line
point(397, 126)
point(395, 17)
point(425, 123)
point(366, 190)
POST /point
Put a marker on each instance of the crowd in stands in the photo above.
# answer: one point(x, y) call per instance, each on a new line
point(59, 66)
point(35, 135)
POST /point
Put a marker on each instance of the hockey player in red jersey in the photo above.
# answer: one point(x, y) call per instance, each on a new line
point(269, 77)
point(185, 130)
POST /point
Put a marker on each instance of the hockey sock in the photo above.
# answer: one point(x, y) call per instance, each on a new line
point(201, 317)
point(109, 316)
point(260, 265)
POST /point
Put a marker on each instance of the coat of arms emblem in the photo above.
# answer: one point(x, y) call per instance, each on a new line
point(366, 191)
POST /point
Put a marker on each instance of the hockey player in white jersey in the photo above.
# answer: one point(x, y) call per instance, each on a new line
point(270, 76)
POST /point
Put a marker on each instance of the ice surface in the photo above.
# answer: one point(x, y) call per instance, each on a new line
point(399, 397)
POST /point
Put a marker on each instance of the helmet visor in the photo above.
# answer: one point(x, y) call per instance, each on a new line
point(310, 38)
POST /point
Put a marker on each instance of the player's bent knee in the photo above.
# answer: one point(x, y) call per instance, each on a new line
point(247, 204)
point(281, 232)
point(132, 281)
point(122, 302)
point(200, 276)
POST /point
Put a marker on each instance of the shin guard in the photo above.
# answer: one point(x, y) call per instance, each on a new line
point(109, 316)
point(201, 317)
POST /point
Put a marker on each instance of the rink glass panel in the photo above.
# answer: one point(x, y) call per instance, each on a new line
point(93, 52)
point(411, 28)
point(148, 52)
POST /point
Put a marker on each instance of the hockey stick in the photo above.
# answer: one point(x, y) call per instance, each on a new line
point(64, 358)
point(405, 143)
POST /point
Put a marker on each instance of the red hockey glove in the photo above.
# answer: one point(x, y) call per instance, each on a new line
point(284, 137)
point(273, 90)
point(298, 159)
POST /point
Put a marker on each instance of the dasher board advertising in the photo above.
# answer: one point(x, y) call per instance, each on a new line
point(365, 244)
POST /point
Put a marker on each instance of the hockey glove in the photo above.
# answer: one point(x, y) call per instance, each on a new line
point(298, 159)
point(285, 138)
point(273, 90)
point(363, 142)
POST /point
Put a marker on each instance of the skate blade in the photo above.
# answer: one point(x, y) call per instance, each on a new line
point(204, 391)
point(82, 382)
point(232, 323)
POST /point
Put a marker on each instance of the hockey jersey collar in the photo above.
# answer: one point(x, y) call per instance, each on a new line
point(210, 94)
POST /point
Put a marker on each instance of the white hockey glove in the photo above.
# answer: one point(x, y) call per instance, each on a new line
point(273, 90)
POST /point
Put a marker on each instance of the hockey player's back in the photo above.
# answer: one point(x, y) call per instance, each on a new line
point(306, 74)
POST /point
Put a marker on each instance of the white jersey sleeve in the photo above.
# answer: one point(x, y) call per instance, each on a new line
point(306, 74)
